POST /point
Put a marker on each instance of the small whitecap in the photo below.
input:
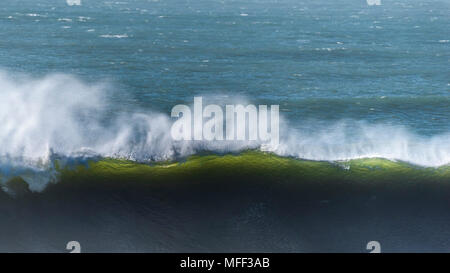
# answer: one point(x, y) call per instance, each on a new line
point(73, 2)
point(444, 41)
point(117, 36)
point(83, 19)
point(374, 2)
point(244, 14)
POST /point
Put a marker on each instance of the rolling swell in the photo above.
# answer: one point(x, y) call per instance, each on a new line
point(259, 165)
point(246, 202)
point(72, 170)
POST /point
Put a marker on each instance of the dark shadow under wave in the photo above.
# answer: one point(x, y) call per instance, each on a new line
point(247, 202)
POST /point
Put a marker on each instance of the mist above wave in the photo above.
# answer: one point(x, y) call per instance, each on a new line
point(61, 116)
point(350, 139)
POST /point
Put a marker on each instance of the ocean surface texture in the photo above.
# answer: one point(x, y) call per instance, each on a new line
point(86, 90)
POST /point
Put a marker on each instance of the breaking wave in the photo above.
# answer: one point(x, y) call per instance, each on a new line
point(61, 117)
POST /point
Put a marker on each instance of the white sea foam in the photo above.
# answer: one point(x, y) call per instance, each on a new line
point(373, 2)
point(117, 36)
point(348, 140)
point(83, 19)
point(59, 116)
point(73, 2)
point(65, 20)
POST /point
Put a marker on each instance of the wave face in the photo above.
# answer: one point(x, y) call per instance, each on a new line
point(59, 116)
point(253, 201)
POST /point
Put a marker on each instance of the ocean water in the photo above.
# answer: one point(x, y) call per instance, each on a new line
point(344, 68)
point(97, 81)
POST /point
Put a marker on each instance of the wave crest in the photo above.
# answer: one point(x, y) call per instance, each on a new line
point(59, 115)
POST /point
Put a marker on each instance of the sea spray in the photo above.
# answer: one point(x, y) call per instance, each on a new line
point(62, 116)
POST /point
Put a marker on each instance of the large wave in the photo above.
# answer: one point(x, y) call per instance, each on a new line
point(60, 116)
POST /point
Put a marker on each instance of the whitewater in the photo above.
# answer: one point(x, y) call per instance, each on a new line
point(61, 117)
